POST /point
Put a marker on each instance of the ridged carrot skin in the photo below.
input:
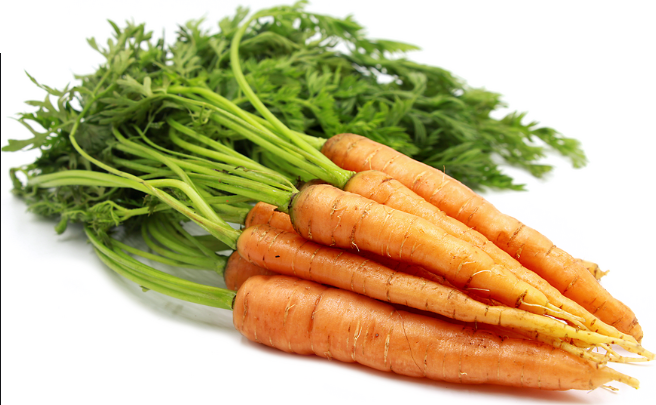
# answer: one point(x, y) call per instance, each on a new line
point(267, 214)
point(263, 213)
point(532, 249)
point(298, 316)
point(333, 217)
point(383, 189)
point(238, 270)
point(290, 254)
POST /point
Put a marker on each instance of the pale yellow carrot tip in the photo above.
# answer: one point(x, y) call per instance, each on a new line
point(594, 269)
point(630, 381)
point(633, 348)
point(599, 358)
point(576, 351)
point(599, 274)
point(607, 375)
point(564, 315)
point(628, 338)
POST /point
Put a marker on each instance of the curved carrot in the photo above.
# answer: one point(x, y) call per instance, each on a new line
point(531, 248)
point(298, 316)
point(370, 181)
point(336, 218)
point(290, 254)
point(267, 214)
point(383, 189)
point(238, 270)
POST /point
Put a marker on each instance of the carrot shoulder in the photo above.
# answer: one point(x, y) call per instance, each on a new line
point(532, 249)
point(298, 316)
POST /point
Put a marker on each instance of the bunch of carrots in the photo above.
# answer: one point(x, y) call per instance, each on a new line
point(375, 258)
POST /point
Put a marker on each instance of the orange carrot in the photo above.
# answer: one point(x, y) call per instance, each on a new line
point(382, 188)
point(238, 270)
point(290, 254)
point(261, 214)
point(532, 249)
point(298, 316)
point(267, 214)
point(336, 218)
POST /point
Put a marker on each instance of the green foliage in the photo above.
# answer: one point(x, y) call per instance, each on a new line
point(290, 59)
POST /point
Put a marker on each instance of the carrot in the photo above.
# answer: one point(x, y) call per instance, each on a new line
point(529, 247)
point(263, 213)
point(270, 132)
point(336, 218)
point(267, 214)
point(291, 314)
point(298, 152)
point(593, 268)
point(364, 178)
point(290, 254)
point(238, 270)
point(298, 316)
point(382, 188)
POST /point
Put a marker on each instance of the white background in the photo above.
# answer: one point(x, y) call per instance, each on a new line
point(73, 332)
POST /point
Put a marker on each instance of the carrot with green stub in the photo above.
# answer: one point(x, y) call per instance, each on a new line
point(264, 213)
point(532, 249)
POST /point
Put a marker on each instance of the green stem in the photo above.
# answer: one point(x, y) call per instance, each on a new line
point(159, 259)
point(258, 180)
point(84, 178)
point(161, 288)
point(167, 250)
point(172, 227)
point(159, 281)
point(230, 213)
point(224, 153)
point(339, 177)
point(224, 182)
point(214, 225)
point(269, 141)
